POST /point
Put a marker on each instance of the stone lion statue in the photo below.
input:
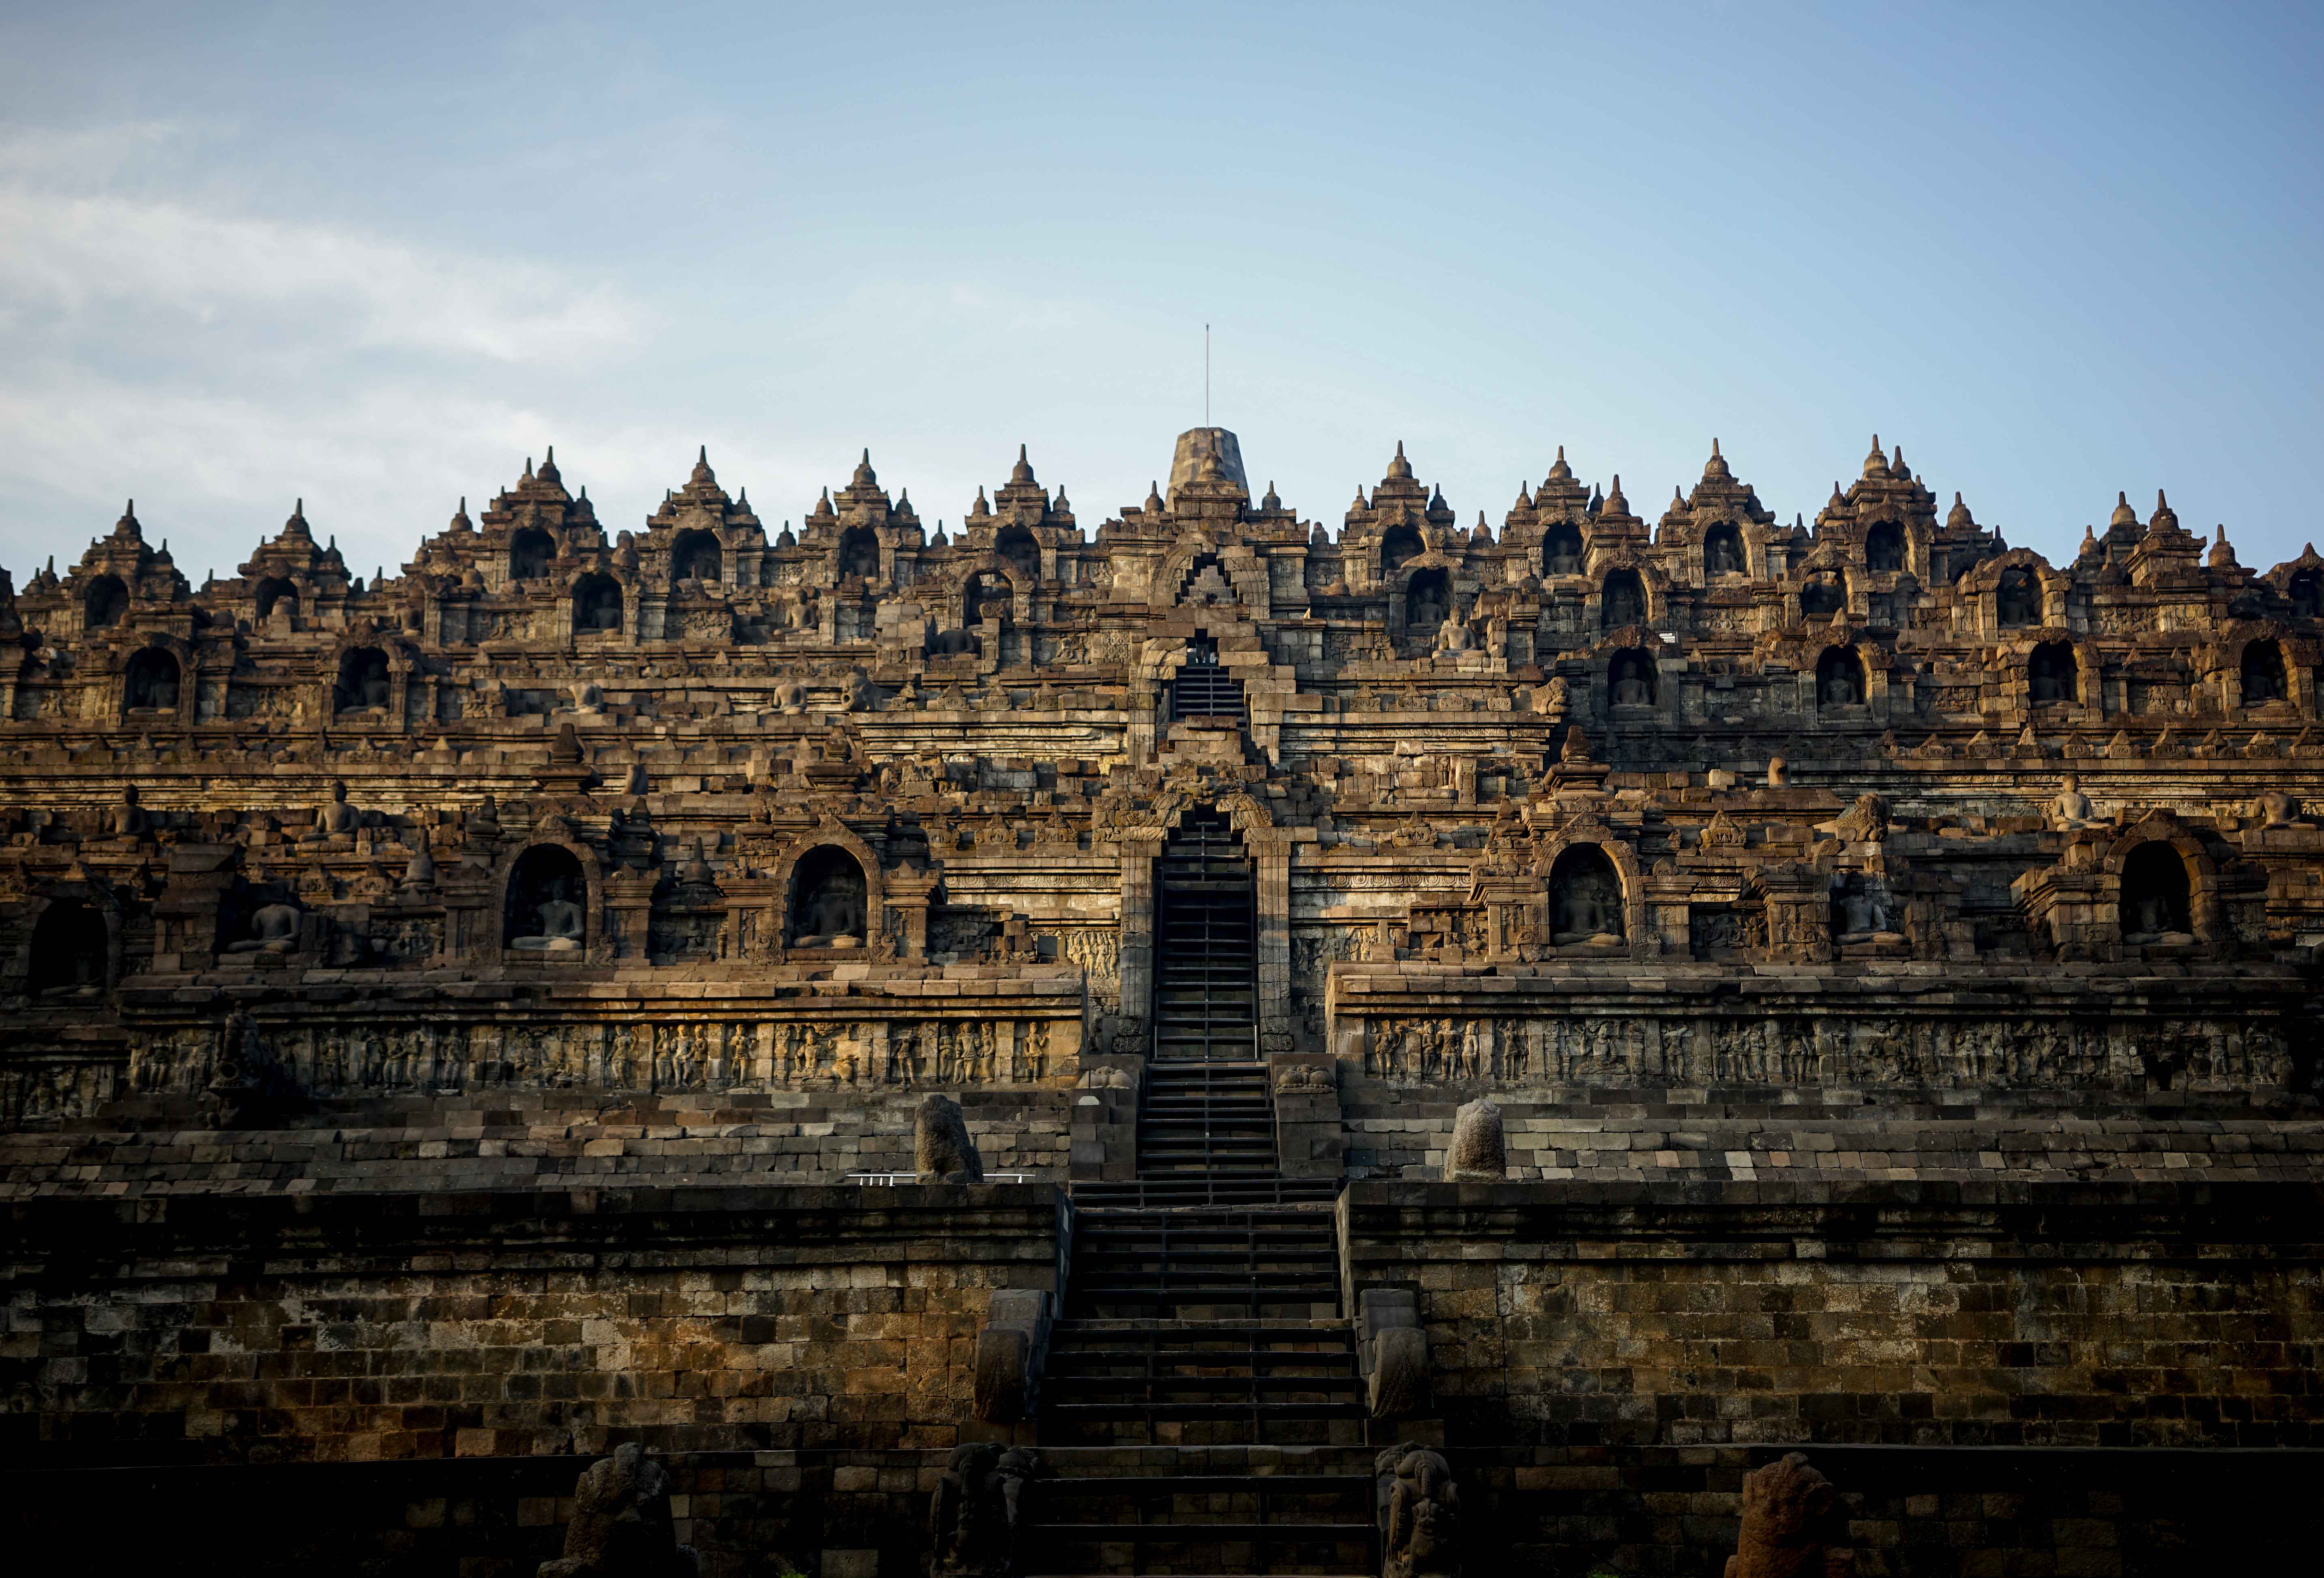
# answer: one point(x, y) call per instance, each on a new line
point(1786, 1506)
point(622, 1526)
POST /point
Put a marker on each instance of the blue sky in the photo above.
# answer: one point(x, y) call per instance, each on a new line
point(377, 256)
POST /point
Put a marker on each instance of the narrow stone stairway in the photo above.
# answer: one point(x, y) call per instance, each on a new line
point(1206, 947)
point(1201, 1410)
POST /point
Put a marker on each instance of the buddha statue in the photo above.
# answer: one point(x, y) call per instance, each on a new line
point(1779, 773)
point(1561, 554)
point(2275, 808)
point(831, 917)
point(1630, 688)
point(1453, 634)
point(127, 819)
point(2151, 920)
point(273, 929)
point(2071, 809)
point(1863, 917)
point(1587, 913)
point(336, 819)
point(588, 699)
point(559, 920)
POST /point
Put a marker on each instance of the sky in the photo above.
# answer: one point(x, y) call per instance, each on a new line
point(376, 257)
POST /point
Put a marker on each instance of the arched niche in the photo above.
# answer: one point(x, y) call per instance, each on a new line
point(1839, 678)
point(1630, 678)
point(71, 952)
point(1823, 595)
point(105, 603)
point(2017, 598)
point(1560, 550)
point(1722, 551)
point(829, 901)
point(1622, 601)
point(152, 681)
point(2306, 594)
point(546, 902)
point(1399, 547)
point(1427, 600)
point(597, 605)
point(695, 555)
point(2052, 674)
point(2263, 679)
point(364, 682)
point(1016, 547)
point(859, 553)
point(1884, 549)
point(2157, 904)
point(276, 592)
point(986, 595)
point(1586, 906)
point(531, 551)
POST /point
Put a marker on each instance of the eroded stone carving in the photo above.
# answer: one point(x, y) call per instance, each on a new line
point(975, 1513)
point(1478, 1152)
point(1419, 1510)
point(1786, 1506)
point(942, 1150)
point(622, 1526)
point(273, 929)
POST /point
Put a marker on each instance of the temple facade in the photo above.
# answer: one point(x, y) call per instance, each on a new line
point(1863, 895)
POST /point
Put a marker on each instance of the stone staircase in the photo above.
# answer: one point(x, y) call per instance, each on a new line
point(1200, 1409)
point(1205, 947)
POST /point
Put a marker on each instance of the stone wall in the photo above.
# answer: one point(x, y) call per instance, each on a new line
point(2008, 1313)
point(504, 1140)
point(350, 1327)
point(1903, 1512)
point(1676, 1135)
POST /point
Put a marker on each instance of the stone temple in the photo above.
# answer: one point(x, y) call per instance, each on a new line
point(1215, 1045)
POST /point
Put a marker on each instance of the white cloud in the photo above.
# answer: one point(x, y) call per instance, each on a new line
point(218, 362)
point(78, 256)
